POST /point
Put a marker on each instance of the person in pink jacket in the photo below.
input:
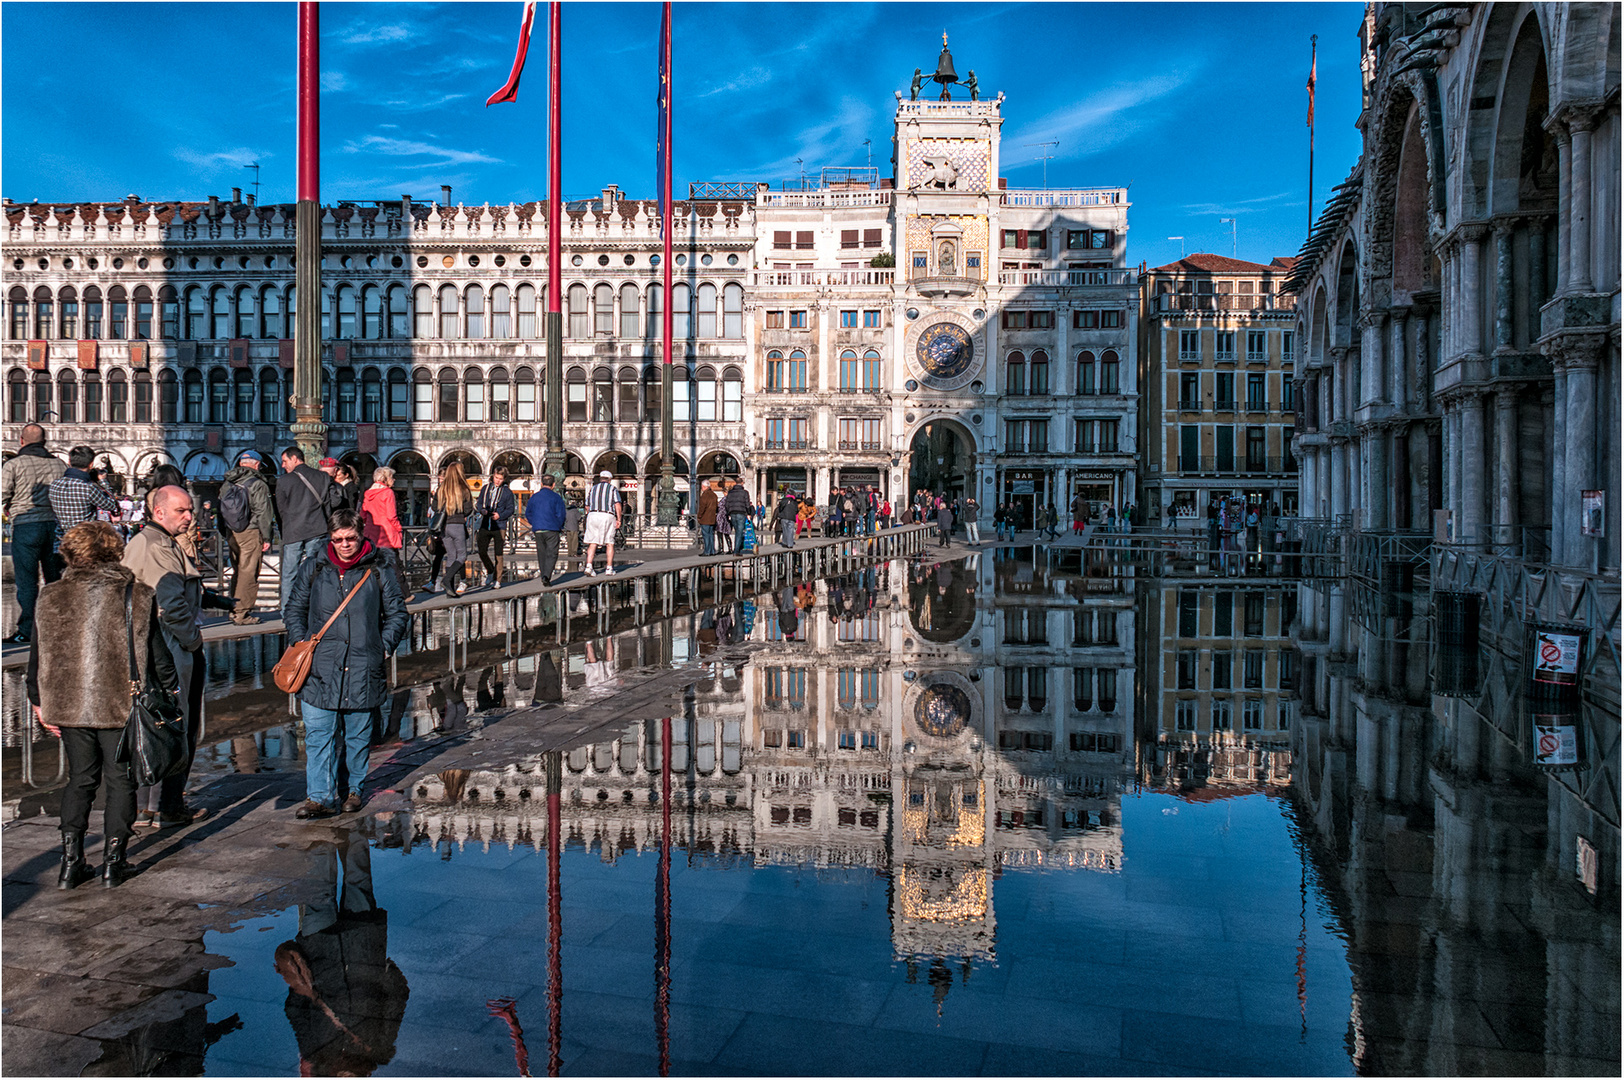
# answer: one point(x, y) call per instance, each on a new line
point(380, 523)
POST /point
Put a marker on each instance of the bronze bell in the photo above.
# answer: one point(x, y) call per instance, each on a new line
point(944, 68)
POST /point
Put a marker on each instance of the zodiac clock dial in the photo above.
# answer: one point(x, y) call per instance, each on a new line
point(945, 351)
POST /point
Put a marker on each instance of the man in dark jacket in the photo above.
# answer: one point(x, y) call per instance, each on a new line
point(347, 680)
point(738, 507)
point(304, 499)
point(545, 512)
point(705, 515)
point(494, 509)
point(249, 545)
point(784, 517)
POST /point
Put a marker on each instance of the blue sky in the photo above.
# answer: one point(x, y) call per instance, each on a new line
point(1199, 106)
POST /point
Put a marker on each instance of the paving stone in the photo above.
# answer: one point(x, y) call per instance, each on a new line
point(33, 1052)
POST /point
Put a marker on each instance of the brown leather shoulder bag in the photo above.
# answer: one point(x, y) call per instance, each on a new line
point(293, 669)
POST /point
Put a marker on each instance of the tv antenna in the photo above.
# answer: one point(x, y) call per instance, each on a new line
point(1231, 223)
point(868, 146)
point(802, 169)
point(1180, 239)
point(1046, 155)
point(255, 166)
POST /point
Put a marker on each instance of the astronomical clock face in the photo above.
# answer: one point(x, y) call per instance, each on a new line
point(943, 356)
point(943, 705)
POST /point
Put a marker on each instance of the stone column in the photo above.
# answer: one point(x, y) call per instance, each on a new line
point(1579, 125)
point(1506, 463)
point(1339, 486)
point(1377, 482)
point(1502, 288)
point(1356, 483)
point(1564, 208)
point(1581, 360)
point(1537, 293)
point(1470, 301)
point(1398, 347)
point(1559, 459)
point(1474, 493)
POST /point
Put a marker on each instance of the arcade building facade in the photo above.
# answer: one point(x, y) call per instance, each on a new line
point(927, 329)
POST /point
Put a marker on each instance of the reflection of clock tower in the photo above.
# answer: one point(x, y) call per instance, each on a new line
point(945, 154)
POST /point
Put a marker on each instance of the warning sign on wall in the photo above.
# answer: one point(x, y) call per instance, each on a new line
point(1556, 657)
point(1556, 741)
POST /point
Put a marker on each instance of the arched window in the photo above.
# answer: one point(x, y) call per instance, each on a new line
point(629, 325)
point(399, 396)
point(371, 312)
point(1110, 376)
point(628, 394)
point(196, 314)
point(501, 396)
point(422, 396)
point(142, 298)
point(44, 313)
point(575, 394)
point(603, 315)
point(1015, 373)
point(577, 310)
point(194, 396)
point(270, 395)
point(501, 315)
point(681, 326)
point(797, 371)
point(17, 388)
point(67, 397)
point(423, 306)
point(733, 310)
point(848, 370)
point(18, 299)
point(169, 397)
point(705, 395)
point(603, 396)
point(93, 398)
point(1039, 373)
point(682, 395)
point(93, 312)
point(395, 318)
point(525, 301)
point(245, 312)
point(219, 305)
point(776, 375)
point(371, 396)
point(270, 313)
point(706, 310)
point(732, 394)
point(475, 297)
point(346, 395)
point(168, 312)
point(1085, 373)
point(653, 377)
point(446, 411)
point(346, 312)
point(871, 370)
point(653, 326)
point(118, 397)
point(68, 300)
point(524, 395)
point(448, 312)
point(243, 384)
point(326, 318)
point(219, 396)
point(118, 313)
point(473, 390)
point(43, 413)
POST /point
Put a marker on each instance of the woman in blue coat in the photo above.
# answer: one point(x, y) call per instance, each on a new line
point(347, 680)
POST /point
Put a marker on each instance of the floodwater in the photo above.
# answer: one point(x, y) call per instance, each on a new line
point(957, 818)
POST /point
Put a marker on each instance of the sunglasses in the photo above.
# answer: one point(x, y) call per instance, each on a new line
point(350, 539)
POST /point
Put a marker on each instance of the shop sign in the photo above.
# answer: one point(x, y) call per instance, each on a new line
point(1023, 487)
point(1556, 741)
point(1096, 476)
point(1592, 512)
point(1556, 657)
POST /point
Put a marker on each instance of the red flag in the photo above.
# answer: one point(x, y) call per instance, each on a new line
point(1313, 67)
point(510, 91)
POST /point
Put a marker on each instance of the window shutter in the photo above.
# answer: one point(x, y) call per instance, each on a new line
point(871, 237)
point(780, 239)
point(38, 355)
point(1020, 238)
point(803, 240)
point(284, 353)
point(848, 238)
point(88, 354)
point(239, 353)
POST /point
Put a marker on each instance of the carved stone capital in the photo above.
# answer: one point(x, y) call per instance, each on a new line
point(1575, 351)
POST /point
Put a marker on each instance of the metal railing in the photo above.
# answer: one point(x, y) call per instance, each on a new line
point(1068, 278)
point(1237, 466)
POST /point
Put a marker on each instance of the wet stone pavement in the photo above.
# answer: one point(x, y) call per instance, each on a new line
point(924, 819)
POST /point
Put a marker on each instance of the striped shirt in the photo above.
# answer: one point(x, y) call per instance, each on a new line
point(602, 498)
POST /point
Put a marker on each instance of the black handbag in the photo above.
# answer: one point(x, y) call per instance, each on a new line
point(154, 742)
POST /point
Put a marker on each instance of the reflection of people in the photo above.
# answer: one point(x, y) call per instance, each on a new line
point(448, 699)
point(549, 680)
point(599, 664)
point(492, 690)
point(345, 996)
point(789, 620)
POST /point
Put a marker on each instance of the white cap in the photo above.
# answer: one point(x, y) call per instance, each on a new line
point(606, 475)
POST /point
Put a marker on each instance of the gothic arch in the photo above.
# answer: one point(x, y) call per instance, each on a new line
point(1524, 159)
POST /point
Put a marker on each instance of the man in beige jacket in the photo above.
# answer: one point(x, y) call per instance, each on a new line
point(158, 562)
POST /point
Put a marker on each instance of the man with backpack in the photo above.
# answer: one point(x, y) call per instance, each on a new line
point(304, 499)
point(245, 514)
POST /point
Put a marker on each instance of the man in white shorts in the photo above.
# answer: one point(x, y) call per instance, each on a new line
point(602, 519)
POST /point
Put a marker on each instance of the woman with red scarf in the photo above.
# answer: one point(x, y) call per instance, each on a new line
point(347, 681)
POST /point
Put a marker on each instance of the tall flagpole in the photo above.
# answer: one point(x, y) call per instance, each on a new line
point(308, 430)
point(1313, 74)
point(555, 249)
point(667, 506)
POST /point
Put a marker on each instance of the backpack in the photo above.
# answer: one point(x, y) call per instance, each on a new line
point(236, 512)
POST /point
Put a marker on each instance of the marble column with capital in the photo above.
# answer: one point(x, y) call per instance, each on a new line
point(1503, 309)
point(1579, 125)
point(1559, 460)
point(1398, 347)
point(1469, 303)
point(1474, 490)
point(1580, 464)
point(1564, 208)
point(1377, 481)
point(1506, 464)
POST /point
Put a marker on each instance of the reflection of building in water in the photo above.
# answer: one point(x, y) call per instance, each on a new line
point(1217, 671)
point(875, 732)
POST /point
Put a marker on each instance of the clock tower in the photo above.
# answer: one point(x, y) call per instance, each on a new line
point(945, 158)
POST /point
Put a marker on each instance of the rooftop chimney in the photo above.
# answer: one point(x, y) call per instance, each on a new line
point(214, 207)
point(445, 189)
point(236, 195)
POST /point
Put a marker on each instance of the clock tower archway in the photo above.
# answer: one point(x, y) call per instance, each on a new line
point(942, 459)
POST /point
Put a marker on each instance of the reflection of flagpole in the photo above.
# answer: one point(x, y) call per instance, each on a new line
point(666, 504)
point(555, 250)
point(662, 910)
point(555, 936)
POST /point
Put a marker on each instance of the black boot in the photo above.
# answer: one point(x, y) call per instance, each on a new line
point(74, 870)
point(453, 575)
point(115, 865)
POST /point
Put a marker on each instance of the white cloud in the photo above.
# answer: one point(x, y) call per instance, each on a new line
point(334, 81)
point(377, 35)
point(1099, 121)
point(1261, 204)
point(744, 80)
point(213, 162)
point(379, 144)
point(419, 104)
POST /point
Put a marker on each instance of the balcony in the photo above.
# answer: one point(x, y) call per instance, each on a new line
point(787, 444)
point(1026, 448)
point(1064, 197)
point(786, 390)
point(1214, 466)
point(946, 286)
point(1260, 304)
point(1225, 405)
point(1068, 279)
point(827, 198)
point(1189, 406)
point(811, 279)
point(845, 444)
